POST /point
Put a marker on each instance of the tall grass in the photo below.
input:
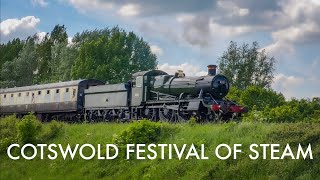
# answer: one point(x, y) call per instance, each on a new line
point(209, 134)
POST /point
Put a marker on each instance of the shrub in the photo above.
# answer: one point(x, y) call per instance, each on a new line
point(192, 121)
point(51, 131)
point(8, 132)
point(261, 97)
point(28, 129)
point(254, 116)
point(284, 114)
point(8, 126)
point(144, 132)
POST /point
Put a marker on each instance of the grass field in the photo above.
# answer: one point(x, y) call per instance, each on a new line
point(210, 134)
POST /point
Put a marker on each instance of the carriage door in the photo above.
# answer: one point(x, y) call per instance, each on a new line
point(137, 91)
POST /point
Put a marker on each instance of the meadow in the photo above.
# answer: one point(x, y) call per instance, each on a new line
point(210, 135)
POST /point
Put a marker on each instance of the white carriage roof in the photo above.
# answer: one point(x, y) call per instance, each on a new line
point(42, 86)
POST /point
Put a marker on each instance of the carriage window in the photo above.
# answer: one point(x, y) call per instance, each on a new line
point(139, 81)
point(73, 92)
point(27, 93)
point(5, 96)
point(11, 95)
point(57, 91)
point(39, 92)
point(67, 89)
point(19, 95)
point(48, 91)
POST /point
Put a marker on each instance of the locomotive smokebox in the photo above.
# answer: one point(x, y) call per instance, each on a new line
point(212, 70)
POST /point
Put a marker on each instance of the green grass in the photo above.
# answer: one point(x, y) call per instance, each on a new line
point(210, 134)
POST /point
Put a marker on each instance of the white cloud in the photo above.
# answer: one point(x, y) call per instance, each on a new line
point(286, 85)
point(304, 32)
point(129, 10)
point(298, 87)
point(41, 3)
point(156, 50)
point(299, 24)
point(188, 69)
point(41, 35)
point(70, 40)
point(18, 28)
point(86, 6)
point(280, 49)
point(229, 31)
point(185, 17)
point(232, 9)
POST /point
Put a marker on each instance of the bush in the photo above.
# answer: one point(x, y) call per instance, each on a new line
point(261, 98)
point(192, 121)
point(51, 131)
point(8, 126)
point(28, 129)
point(284, 114)
point(144, 132)
point(254, 116)
point(8, 132)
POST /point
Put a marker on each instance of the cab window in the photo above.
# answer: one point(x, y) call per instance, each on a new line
point(139, 81)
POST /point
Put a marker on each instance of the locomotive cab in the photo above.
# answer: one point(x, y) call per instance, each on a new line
point(141, 85)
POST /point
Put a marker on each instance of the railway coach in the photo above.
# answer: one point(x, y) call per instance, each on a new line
point(62, 100)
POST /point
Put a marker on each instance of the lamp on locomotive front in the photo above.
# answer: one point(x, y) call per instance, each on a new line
point(212, 70)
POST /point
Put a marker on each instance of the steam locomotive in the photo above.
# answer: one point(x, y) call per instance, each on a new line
point(152, 94)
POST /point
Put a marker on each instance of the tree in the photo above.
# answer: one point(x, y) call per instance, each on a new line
point(111, 55)
point(246, 66)
point(20, 71)
point(9, 51)
point(59, 34)
point(63, 57)
point(44, 57)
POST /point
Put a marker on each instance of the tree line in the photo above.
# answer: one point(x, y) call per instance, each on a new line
point(109, 54)
point(112, 55)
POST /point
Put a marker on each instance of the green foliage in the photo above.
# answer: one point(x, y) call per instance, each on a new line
point(261, 98)
point(255, 116)
point(111, 55)
point(8, 132)
point(63, 57)
point(144, 132)
point(291, 111)
point(284, 114)
point(265, 105)
point(246, 66)
point(52, 54)
point(234, 94)
point(59, 35)
point(20, 71)
point(258, 97)
point(28, 129)
point(192, 121)
point(210, 135)
point(51, 130)
point(9, 51)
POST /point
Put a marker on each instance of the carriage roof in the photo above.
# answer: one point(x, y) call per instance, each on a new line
point(42, 86)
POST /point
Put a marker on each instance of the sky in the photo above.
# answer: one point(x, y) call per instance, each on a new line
point(191, 34)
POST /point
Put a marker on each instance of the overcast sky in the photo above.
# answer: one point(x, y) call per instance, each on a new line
point(191, 34)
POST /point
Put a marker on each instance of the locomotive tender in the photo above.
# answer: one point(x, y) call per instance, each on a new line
point(152, 94)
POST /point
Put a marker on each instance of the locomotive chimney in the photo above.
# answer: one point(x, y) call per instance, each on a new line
point(212, 70)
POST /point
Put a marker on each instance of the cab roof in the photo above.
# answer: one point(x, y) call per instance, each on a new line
point(154, 72)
